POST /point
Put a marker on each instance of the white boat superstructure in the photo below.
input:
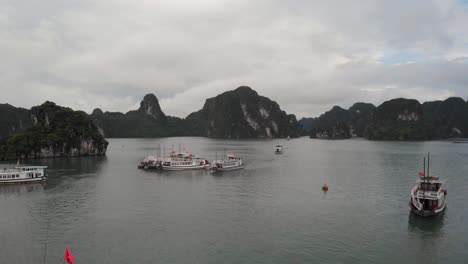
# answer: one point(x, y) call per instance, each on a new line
point(278, 149)
point(23, 174)
point(230, 162)
point(183, 161)
point(428, 198)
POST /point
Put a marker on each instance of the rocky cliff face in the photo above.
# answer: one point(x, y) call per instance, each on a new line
point(447, 118)
point(13, 119)
point(397, 119)
point(307, 124)
point(242, 113)
point(361, 114)
point(339, 123)
point(404, 119)
point(334, 124)
point(56, 131)
point(147, 121)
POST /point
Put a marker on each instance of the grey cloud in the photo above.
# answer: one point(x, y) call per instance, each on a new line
point(307, 55)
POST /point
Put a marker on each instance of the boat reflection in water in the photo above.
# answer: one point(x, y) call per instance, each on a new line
point(426, 226)
point(18, 189)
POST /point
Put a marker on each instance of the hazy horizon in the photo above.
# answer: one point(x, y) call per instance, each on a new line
point(298, 117)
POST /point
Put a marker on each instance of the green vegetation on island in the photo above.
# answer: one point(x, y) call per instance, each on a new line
point(397, 119)
point(56, 131)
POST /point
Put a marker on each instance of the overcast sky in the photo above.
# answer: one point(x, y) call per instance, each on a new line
point(307, 55)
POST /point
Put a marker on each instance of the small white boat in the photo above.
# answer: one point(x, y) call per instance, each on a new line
point(278, 149)
point(23, 174)
point(428, 198)
point(183, 161)
point(231, 162)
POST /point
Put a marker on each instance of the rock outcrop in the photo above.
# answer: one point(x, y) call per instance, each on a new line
point(13, 120)
point(242, 113)
point(307, 124)
point(334, 124)
point(55, 132)
point(397, 119)
point(148, 121)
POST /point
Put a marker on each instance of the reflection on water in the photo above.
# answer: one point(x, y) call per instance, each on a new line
point(19, 189)
point(179, 174)
point(426, 225)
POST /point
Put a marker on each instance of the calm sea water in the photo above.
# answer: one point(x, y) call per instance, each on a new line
point(107, 211)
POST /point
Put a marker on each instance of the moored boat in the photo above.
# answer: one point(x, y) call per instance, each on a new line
point(191, 164)
point(428, 198)
point(23, 174)
point(278, 149)
point(230, 162)
point(183, 161)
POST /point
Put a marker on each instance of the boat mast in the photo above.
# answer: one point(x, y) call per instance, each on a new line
point(428, 157)
point(424, 184)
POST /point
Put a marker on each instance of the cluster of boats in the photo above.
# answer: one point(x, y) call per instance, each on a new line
point(177, 161)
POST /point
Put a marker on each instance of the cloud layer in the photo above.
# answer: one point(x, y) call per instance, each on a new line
point(307, 55)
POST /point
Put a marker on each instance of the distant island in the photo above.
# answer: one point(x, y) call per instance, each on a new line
point(50, 130)
point(397, 119)
point(237, 114)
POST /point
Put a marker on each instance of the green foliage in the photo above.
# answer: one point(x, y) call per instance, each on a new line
point(56, 128)
point(405, 119)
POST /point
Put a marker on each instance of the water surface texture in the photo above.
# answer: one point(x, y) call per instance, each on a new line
point(107, 211)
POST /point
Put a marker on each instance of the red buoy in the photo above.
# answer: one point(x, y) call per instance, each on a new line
point(325, 188)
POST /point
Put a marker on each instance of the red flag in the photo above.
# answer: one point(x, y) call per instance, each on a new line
point(421, 174)
point(68, 257)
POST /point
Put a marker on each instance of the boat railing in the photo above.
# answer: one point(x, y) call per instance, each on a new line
point(414, 198)
point(427, 193)
point(10, 171)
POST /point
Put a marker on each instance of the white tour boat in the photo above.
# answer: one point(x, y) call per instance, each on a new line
point(278, 149)
point(428, 198)
point(23, 174)
point(231, 162)
point(183, 161)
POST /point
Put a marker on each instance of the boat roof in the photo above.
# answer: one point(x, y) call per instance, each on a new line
point(31, 167)
point(431, 180)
